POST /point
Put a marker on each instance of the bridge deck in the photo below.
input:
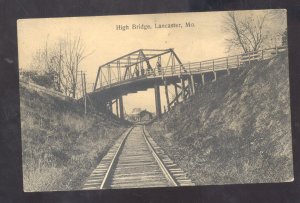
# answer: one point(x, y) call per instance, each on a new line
point(173, 73)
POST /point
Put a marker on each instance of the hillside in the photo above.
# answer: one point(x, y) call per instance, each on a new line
point(235, 130)
point(60, 144)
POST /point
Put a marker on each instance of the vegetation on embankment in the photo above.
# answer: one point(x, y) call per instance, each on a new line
point(60, 145)
point(235, 130)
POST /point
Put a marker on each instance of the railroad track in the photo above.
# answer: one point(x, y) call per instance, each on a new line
point(136, 161)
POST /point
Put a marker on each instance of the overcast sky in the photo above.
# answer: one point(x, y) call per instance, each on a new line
point(99, 34)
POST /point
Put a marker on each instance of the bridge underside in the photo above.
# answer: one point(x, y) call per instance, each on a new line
point(151, 68)
point(104, 97)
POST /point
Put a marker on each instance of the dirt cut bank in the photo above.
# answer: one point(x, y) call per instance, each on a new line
point(60, 144)
point(235, 130)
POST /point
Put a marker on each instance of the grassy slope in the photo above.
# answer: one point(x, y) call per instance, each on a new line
point(60, 146)
point(236, 130)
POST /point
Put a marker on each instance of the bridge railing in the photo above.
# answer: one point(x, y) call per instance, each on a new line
point(213, 65)
point(223, 63)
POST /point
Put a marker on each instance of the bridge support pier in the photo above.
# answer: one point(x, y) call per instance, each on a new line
point(121, 107)
point(215, 77)
point(203, 79)
point(109, 107)
point(157, 100)
point(182, 89)
point(190, 88)
point(167, 95)
point(117, 107)
point(193, 84)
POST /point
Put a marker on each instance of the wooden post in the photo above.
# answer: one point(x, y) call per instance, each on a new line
point(228, 72)
point(110, 106)
point(84, 82)
point(82, 86)
point(167, 95)
point(121, 107)
point(215, 76)
point(83, 90)
point(182, 89)
point(157, 100)
point(200, 67)
point(60, 69)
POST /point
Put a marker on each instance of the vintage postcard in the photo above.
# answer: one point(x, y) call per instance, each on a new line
point(156, 100)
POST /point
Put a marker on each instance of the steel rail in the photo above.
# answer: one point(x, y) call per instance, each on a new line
point(113, 162)
point(159, 161)
point(112, 166)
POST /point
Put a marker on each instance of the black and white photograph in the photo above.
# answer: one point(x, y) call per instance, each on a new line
point(155, 100)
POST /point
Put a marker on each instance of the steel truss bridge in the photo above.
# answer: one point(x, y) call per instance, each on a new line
point(152, 68)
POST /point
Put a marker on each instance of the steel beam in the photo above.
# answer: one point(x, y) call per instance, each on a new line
point(175, 99)
point(147, 59)
point(97, 77)
point(178, 60)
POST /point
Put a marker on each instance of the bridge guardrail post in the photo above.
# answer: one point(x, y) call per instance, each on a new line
point(180, 69)
point(200, 67)
point(228, 72)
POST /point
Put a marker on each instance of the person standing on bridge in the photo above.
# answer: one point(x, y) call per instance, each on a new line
point(148, 69)
point(142, 71)
point(137, 72)
point(158, 65)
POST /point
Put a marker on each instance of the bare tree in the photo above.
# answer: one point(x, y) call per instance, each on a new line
point(56, 66)
point(246, 32)
point(43, 67)
point(61, 62)
point(73, 53)
point(278, 36)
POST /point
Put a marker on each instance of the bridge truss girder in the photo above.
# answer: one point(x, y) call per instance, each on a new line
point(140, 63)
